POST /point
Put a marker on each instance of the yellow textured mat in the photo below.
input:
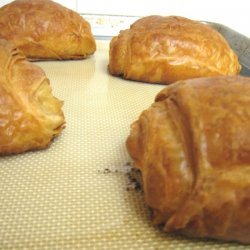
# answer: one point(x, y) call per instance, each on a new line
point(76, 194)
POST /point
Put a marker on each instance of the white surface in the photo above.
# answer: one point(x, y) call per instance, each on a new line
point(234, 14)
point(72, 4)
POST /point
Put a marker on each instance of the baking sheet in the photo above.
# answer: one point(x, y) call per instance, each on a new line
point(238, 42)
point(78, 194)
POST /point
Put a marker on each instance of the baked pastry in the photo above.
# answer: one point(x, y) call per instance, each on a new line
point(30, 116)
point(44, 30)
point(163, 50)
point(192, 147)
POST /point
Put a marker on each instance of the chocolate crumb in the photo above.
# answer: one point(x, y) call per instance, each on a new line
point(134, 179)
point(107, 171)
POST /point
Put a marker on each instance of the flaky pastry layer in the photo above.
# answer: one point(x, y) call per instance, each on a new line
point(163, 50)
point(192, 147)
point(45, 30)
point(30, 116)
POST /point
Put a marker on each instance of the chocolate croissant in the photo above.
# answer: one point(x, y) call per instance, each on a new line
point(30, 116)
point(192, 147)
point(163, 50)
point(45, 30)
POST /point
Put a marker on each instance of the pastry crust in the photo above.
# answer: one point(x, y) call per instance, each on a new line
point(45, 30)
point(30, 116)
point(163, 50)
point(192, 147)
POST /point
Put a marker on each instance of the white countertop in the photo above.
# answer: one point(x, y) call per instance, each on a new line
point(234, 14)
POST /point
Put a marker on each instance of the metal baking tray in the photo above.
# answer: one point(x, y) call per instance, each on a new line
point(79, 193)
point(238, 42)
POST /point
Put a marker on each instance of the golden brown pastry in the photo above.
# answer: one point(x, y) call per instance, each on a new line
point(30, 116)
point(192, 147)
point(44, 30)
point(163, 50)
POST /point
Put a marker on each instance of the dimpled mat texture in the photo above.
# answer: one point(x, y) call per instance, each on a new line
point(78, 194)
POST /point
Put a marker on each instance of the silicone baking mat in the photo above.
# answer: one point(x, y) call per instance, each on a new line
point(78, 193)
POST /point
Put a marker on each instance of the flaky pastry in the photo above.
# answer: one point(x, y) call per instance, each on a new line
point(192, 147)
point(30, 116)
point(45, 30)
point(163, 50)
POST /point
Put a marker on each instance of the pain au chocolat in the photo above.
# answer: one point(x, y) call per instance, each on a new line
point(45, 30)
point(192, 147)
point(30, 116)
point(163, 50)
